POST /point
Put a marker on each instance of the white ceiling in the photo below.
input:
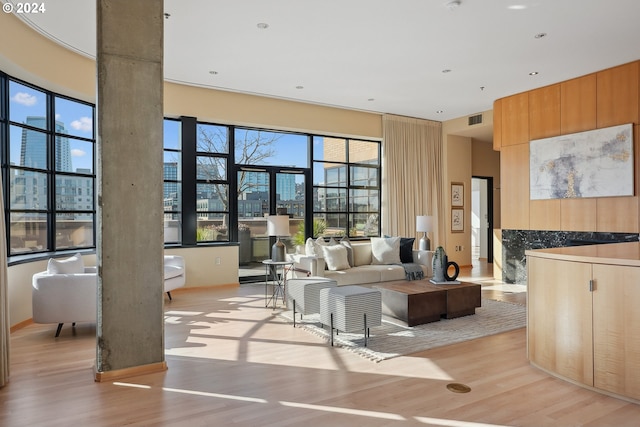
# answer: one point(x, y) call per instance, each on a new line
point(377, 55)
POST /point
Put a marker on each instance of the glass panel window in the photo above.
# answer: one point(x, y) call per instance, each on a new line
point(363, 225)
point(27, 105)
point(336, 224)
point(172, 185)
point(74, 230)
point(212, 197)
point(28, 232)
point(265, 148)
point(329, 149)
point(172, 134)
point(330, 174)
point(363, 200)
point(212, 138)
point(69, 192)
point(211, 168)
point(212, 227)
point(74, 155)
point(28, 147)
point(28, 190)
point(172, 227)
point(74, 118)
point(364, 152)
point(364, 176)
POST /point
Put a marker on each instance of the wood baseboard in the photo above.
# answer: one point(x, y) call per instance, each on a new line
point(118, 374)
point(20, 325)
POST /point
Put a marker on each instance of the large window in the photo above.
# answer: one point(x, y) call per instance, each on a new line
point(346, 186)
point(219, 180)
point(50, 169)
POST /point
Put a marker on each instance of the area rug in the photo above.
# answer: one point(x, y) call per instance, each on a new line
point(394, 339)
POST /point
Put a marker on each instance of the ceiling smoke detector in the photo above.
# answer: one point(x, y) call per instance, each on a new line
point(453, 4)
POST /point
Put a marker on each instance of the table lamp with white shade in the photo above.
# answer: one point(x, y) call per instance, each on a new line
point(424, 224)
point(278, 226)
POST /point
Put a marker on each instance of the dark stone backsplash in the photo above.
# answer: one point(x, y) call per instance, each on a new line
point(516, 242)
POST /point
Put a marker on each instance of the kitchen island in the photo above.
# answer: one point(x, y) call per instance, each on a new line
point(583, 315)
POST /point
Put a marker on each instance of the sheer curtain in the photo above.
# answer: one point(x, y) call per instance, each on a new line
point(413, 176)
point(4, 299)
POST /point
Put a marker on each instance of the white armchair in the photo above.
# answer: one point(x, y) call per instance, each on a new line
point(175, 273)
point(67, 291)
point(61, 295)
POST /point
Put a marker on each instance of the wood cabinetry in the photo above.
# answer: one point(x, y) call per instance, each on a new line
point(583, 323)
point(559, 323)
point(616, 329)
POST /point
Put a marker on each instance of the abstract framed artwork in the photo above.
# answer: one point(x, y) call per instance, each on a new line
point(457, 220)
point(457, 194)
point(596, 163)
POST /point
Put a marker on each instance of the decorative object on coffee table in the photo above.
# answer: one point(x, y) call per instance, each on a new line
point(441, 266)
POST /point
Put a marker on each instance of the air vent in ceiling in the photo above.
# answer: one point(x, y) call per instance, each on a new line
point(475, 120)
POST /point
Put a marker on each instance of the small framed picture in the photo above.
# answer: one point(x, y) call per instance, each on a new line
point(457, 220)
point(457, 194)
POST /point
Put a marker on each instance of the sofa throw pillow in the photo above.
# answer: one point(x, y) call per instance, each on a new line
point(406, 249)
point(336, 257)
point(71, 265)
point(310, 247)
point(347, 244)
point(385, 250)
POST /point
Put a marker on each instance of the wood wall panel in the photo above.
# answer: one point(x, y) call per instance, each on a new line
point(515, 194)
point(515, 119)
point(578, 214)
point(497, 125)
point(617, 95)
point(544, 112)
point(606, 98)
point(578, 105)
point(544, 214)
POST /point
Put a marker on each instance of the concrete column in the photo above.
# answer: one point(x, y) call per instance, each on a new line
point(130, 243)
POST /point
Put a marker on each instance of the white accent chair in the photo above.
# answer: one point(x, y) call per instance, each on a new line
point(67, 291)
point(175, 273)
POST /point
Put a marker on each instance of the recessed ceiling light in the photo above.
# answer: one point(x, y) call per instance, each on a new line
point(533, 73)
point(439, 111)
point(299, 87)
point(213, 72)
point(517, 7)
point(263, 25)
point(371, 99)
point(446, 70)
point(540, 35)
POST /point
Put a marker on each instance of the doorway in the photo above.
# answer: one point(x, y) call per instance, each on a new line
point(482, 218)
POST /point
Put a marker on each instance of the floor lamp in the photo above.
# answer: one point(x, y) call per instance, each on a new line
point(424, 224)
point(278, 225)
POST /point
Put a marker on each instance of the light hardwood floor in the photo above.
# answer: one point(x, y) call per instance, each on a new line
point(233, 362)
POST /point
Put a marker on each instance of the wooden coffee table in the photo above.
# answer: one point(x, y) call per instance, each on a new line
point(462, 299)
point(413, 302)
point(420, 301)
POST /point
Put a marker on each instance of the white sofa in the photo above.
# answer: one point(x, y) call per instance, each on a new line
point(363, 271)
point(67, 291)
